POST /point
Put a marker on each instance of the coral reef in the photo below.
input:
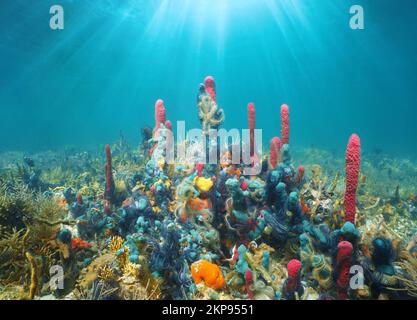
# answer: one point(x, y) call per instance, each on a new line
point(149, 228)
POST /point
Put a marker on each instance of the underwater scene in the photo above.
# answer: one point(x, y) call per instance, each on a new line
point(208, 150)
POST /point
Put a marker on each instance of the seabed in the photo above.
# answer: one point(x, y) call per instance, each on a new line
point(121, 222)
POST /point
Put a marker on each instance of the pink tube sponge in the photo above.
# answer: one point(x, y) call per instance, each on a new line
point(275, 152)
point(353, 162)
point(160, 114)
point(251, 120)
point(210, 87)
point(285, 124)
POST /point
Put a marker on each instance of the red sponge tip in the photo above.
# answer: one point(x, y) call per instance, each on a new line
point(293, 267)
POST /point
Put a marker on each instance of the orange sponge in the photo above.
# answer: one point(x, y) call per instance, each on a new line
point(207, 272)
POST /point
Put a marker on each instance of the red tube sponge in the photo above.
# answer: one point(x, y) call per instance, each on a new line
point(300, 175)
point(160, 114)
point(210, 87)
point(344, 261)
point(353, 162)
point(275, 152)
point(251, 120)
point(285, 124)
point(109, 191)
point(293, 267)
point(248, 283)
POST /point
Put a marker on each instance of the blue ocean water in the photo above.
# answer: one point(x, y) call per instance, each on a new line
point(103, 73)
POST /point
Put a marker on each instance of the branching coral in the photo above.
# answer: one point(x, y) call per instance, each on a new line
point(12, 257)
point(100, 290)
point(47, 219)
point(116, 244)
point(106, 273)
point(17, 205)
point(139, 292)
point(408, 274)
point(21, 246)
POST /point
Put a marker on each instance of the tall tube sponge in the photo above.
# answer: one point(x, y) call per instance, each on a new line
point(251, 122)
point(353, 162)
point(110, 187)
point(285, 124)
point(275, 152)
